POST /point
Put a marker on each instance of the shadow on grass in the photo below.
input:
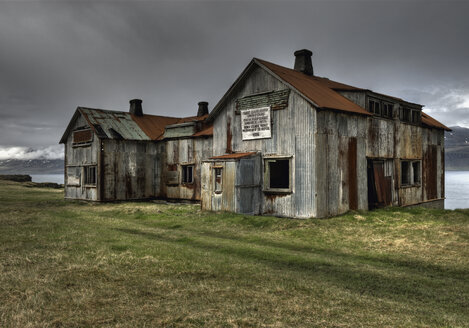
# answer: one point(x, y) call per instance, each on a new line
point(346, 271)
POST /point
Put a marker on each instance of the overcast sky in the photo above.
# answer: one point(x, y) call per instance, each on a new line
point(57, 55)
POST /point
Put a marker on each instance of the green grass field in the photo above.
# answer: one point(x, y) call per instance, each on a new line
point(77, 264)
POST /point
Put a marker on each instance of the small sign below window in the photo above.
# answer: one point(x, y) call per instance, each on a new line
point(255, 123)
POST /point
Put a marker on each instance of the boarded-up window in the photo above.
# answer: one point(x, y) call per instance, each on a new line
point(82, 136)
point(73, 176)
point(277, 175)
point(217, 179)
point(187, 173)
point(89, 175)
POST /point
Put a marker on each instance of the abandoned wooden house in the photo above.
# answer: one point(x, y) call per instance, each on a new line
point(113, 155)
point(289, 143)
point(281, 142)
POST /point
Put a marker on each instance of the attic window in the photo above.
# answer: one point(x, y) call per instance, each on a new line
point(187, 173)
point(374, 107)
point(277, 175)
point(82, 136)
point(380, 108)
point(387, 110)
point(405, 114)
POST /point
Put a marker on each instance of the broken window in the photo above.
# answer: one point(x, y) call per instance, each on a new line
point(218, 179)
point(410, 173)
point(277, 175)
point(89, 175)
point(187, 173)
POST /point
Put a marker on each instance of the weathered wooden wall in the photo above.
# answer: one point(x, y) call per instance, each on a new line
point(292, 135)
point(130, 169)
point(77, 157)
point(179, 152)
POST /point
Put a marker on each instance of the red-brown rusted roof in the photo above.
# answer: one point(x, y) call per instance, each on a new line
point(431, 122)
point(234, 155)
point(205, 132)
point(153, 125)
point(318, 90)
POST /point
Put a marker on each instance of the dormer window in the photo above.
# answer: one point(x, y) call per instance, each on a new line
point(380, 108)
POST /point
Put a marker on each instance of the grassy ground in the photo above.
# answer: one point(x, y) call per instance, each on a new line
point(74, 264)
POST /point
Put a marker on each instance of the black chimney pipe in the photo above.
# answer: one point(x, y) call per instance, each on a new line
point(136, 107)
point(303, 61)
point(203, 108)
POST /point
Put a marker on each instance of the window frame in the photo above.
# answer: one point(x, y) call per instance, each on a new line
point(217, 190)
point(86, 173)
point(184, 167)
point(414, 173)
point(78, 171)
point(266, 185)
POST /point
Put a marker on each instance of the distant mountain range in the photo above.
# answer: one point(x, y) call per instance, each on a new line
point(32, 166)
point(456, 157)
point(457, 149)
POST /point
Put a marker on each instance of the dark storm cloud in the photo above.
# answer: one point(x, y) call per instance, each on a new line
point(59, 55)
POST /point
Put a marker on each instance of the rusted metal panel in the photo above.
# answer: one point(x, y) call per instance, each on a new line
point(82, 136)
point(430, 172)
point(352, 174)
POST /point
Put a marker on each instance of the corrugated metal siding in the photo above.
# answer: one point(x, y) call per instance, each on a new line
point(341, 183)
point(292, 135)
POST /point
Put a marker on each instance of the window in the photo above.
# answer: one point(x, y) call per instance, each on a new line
point(387, 110)
point(410, 173)
point(82, 136)
point(218, 179)
point(277, 176)
point(380, 108)
point(416, 116)
point(405, 114)
point(187, 173)
point(90, 175)
point(374, 107)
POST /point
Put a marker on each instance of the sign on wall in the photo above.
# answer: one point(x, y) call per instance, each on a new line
point(255, 123)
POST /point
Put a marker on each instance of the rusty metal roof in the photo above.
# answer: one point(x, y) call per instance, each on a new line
point(234, 155)
point(431, 122)
point(124, 125)
point(317, 90)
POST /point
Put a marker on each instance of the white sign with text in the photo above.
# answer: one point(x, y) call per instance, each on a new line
point(255, 123)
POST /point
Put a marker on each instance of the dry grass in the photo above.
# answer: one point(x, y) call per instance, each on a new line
point(76, 264)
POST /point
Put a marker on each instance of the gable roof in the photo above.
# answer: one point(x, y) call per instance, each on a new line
point(124, 125)
point(321, 92)
point(317, 90)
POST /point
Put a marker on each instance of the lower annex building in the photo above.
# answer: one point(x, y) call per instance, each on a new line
point(281, 142)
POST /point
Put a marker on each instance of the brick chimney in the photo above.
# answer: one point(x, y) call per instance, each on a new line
point(303, 61)
point(136, 107)
point(203, 108)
